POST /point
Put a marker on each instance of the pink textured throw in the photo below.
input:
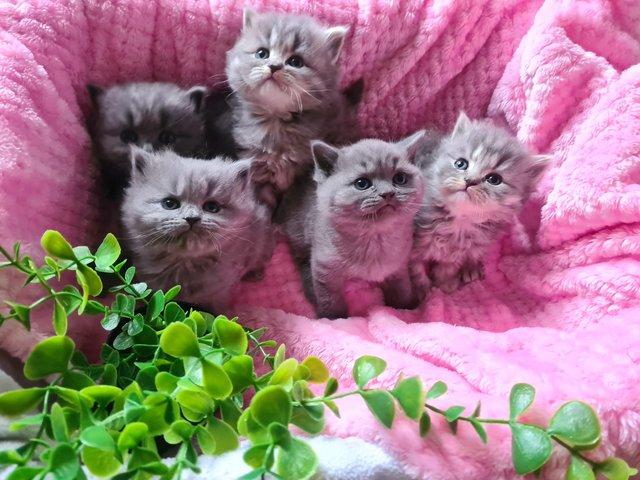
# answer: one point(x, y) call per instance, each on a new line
point(559, 307)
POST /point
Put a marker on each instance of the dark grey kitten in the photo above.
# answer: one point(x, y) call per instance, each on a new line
point(283, 71)
point(356, 222)
point(152, 116)
point(476, 181)
point(195, 223)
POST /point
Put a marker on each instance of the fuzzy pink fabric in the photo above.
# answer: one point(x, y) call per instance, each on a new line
point(559, 305)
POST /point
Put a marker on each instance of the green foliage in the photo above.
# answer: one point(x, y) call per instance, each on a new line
point(185, 376)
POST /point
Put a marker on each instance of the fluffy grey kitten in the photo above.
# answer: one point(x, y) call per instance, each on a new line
point(149, 115)
point(356, 222)
point(283, 71)
point(195, 223)
point(476, 180)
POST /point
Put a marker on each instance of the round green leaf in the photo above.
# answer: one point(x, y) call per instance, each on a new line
point(58, 423)
point(319, 371)
point(577, 424)
point(298, 462)
point(97, 437)
point(453, 413)
point(216, 381)
point(283, 375)
point(616, 469)
point(99, 463)
point(155, 306)
point(63, 462)
point(530, 448)
point(367, 368)
point(280, 435)
point(92, 280)
point(231, 335)
point(132, 435)
point(579, 470)
point(155, 415)
point(172, 293)
point(254, 456)
point(102, 393)
point(303, 419)
point(521, 397)
point(411, 396)
point(178, 340)
point(17, 402)
point(56, 245)
point(425, 424)
point(76, 380)
point(51, 355)
point(278, 358)
point(205, 440)
point(437, 390)
point(108, 252)
point(380, 403)
point(271, 404)
point(24, 473)
point(240, 371)
point(225, 437)
point(196, 401)
point(331, 387)
point(165, 382)
point(249, 428)
point(59, 318)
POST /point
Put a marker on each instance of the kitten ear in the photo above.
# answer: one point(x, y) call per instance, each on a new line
point(335, 39)
point(462, 124)
point(412, 143)
point(196, 95)
point(94, 93)
point(140, 159)
point(248, 17)
point(537, 165)
point(243, 170)
point(324, 156)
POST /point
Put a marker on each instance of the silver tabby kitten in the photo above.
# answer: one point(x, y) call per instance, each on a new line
point(476, 180)
point(357, 222)
point(283, 71)
point(149, 115)
point(195, 223)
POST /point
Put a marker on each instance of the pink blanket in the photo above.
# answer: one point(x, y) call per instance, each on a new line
point(559, 306)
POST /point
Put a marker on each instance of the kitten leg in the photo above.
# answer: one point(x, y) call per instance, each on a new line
point(419, 280)
point(471, 271)
point(398, 291)
point(328, 290)
point(445, 276)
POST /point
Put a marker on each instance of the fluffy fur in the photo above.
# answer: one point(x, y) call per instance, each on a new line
point(195, 223)
point(283, 71)
point(357, 222)
point(152, 116)
point(476, 181)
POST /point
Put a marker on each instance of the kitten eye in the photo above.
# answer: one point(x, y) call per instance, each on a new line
point(211, 206)
point(493, 179)
point(170, 203)
point(400, 178)
point(128, 136)
point(166, 138)
point(461, 164)
point(362, 183)
point(295, 61)
point(262, 53)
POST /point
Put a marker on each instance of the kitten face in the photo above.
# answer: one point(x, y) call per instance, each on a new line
point(186, 206)
point(284, 62)
point(481, 169)
point(372, 180)
point(152, 116)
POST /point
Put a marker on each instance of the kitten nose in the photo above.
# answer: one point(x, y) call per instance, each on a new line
point(388, 195)
point(275, 68)
point(192, 220)
point(470, 183)
point(147, 147)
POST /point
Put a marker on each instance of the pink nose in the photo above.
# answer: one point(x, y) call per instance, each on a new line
point(388, 195)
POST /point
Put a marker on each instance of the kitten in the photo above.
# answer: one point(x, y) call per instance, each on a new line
point(476, 181)
point(356, 222)
point(283, 71)
point(195, 223)
point(151, 116)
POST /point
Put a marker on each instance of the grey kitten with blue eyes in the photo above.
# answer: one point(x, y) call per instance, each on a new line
point(284, 74)
point(476, 181)
point(195, 223)
point(150, 115)
point(356, 221)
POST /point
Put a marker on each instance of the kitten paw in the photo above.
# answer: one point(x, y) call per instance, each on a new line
point(470, 272)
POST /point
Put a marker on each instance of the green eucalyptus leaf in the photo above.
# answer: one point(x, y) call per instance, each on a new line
point(108, 252)
point(22, 312)
point(615, 469)
point(56, 245)
point(94, 308)
point(319, 371)
point(437, 390)
point(173, 313)
point(216, 381)
point(135, 325)
point(280, 435)
point(156, 406)
point(303, 419)
point(301, 373)
point(97, 437)
point(132, 435)
point(298, 462)
point(178, 340)
point(110, 321)
point(577, 424)
point(205, 440)
point(272, 404)
point(17, 402)
point(102, 393)
point(225, 437)
point(331, 387)
point(63, 462)
point(283, 374)
point(26, 422)
point(231, 335)
point(579, 470)
point(155, 306)
point(99, 463)
point(196, 401)
point(51, 355)
point(58, 423)
point(530, 448)
point(453, 413)
point(24, 473)
point(520, 398)
point(279, 356)
point(123, 341)
point(425, 424)
point(249, 428)
point(172, 293)
point(380, 403)
point(11, 457)
point(59, 318)
point(165, 382)
point(239, 369)
point(93, 284)
point(411, 396)
point(366, 368)
point(482, 433)
point(254, 456)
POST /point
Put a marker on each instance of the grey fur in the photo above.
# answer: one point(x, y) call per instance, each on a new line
point(277, 114)
point(458, 222)
point(211, 256)
point(147, 109)
point(338, 232)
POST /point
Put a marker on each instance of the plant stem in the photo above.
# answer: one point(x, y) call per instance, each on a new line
point(574, 451)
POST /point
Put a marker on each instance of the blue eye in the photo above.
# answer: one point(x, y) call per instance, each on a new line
point(461, 164)
point(295, 61)
point(262, 53)
point(362, 183)
point(167, 138)
point(170, 203)
point(211, 207)
point(400, 178)
point(493, 179)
